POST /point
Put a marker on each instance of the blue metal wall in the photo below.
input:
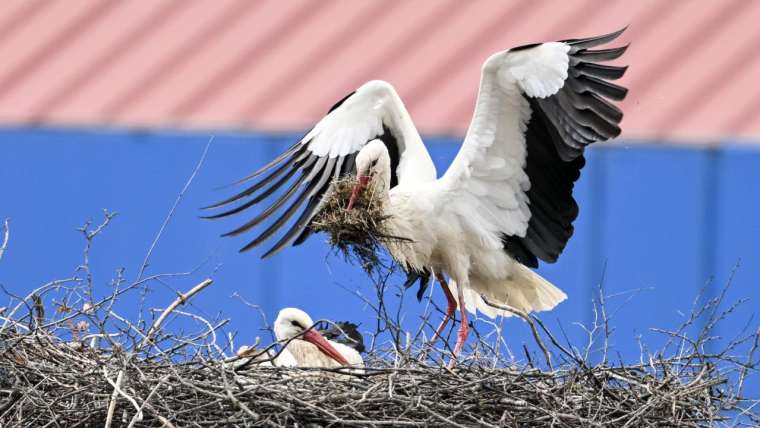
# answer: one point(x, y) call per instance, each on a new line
point(657, 221)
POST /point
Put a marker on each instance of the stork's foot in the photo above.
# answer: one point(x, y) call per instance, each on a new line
point(464, 331)
point(450, 310)
point(464, 328)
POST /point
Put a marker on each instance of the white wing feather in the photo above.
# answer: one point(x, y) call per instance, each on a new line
point(349, 127)
point(360, 119)
point(326, 152)
point(540, 71)
point(488, 170)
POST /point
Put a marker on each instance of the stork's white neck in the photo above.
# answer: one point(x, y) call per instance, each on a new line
point(375, 161)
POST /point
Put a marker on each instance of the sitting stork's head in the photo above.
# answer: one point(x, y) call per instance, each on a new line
point(292, 323)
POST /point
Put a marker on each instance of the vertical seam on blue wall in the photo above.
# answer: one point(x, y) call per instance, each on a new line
point(711, 189)
point(597, 201)
point(270, 272)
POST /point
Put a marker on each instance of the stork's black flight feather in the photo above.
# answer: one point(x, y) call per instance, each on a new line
point(560, 128)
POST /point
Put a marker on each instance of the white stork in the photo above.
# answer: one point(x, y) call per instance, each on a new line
point(504, 203)
point(310, 349)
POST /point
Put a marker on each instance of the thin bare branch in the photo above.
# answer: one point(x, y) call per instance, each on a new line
point(181, 300)
point(6, 237)
point(169, 216)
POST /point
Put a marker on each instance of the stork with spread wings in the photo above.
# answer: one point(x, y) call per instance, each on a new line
point(505, 202)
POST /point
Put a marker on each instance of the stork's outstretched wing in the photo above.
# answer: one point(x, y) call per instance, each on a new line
point(538, 107)
point(303, 173)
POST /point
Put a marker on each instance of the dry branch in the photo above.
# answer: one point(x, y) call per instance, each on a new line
point(6, 237)
point(181, 300)
point(170, 214)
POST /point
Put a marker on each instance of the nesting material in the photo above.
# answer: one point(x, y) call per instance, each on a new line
point(146, 376)
point(41, 381)
point(360, 233)
point(66, 360)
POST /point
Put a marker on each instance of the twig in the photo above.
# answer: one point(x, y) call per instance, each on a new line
point(173, 208)
point(36, 292)
point(6, 236)
point(532, 325)
point(181, 299)
point(114, 395)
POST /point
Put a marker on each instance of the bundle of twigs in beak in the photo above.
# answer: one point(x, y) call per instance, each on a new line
point(357, 233)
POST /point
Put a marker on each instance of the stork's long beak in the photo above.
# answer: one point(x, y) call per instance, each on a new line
point(313, 337)
point(357, 190)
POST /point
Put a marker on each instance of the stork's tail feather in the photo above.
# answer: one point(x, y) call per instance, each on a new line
point(526, 291)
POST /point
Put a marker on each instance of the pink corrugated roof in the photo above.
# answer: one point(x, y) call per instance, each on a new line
point(270, 64)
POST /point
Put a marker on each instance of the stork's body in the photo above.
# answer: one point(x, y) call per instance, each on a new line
point(506, 200)
point(438, 235)
point(305, 354)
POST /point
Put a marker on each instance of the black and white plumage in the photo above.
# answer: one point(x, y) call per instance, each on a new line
point(307, 347)
point(328, 151)
point(506, 200)
point(343, 332)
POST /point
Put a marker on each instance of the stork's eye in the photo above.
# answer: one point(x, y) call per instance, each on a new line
point(296, 324)
point(374, 162)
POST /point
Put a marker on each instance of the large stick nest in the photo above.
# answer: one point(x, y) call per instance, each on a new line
point(45, 380)
point(69, 358)
point(188, 380)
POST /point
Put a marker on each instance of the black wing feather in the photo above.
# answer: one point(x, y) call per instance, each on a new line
point(297, 147)
point(344, 332)
point(560, 128)
point(599, 55)
point(316, 177)
point(595, 103)
point(340, 103)
point(313, 184)
point(306, 215)
point(260, 197)
point(591, 42)
point(293, 161)
point(309, 165)
point(586, 83)
point(602, 71)
point(423, 277)
point(348, 167)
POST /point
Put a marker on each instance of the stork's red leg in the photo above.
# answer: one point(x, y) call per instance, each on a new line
point(464, 327)
point(450, 309)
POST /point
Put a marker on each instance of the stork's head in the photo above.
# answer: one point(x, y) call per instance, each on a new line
point(292, 322)
point(373, 165)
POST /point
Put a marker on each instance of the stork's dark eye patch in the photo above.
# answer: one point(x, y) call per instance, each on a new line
point(296, 324)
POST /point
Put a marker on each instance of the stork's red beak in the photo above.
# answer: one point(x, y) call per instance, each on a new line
point(357, 190)
point(313, 337)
